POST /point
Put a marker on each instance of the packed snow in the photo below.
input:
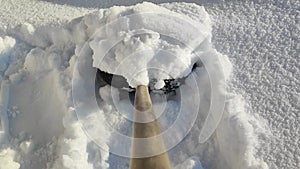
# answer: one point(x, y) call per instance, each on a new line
point(51, 118)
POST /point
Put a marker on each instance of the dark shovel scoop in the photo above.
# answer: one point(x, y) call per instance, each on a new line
point(117, 81)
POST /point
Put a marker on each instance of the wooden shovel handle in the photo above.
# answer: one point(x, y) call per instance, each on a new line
point(145, 130)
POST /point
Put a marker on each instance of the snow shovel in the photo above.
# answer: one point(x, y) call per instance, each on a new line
point(143, 112)
point(145, 123)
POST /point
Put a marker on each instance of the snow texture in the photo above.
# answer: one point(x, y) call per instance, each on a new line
point(261, 39)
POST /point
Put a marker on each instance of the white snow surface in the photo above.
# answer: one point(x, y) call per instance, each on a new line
point(37, 63)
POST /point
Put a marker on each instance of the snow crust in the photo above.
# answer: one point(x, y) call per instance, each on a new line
point(42, 71)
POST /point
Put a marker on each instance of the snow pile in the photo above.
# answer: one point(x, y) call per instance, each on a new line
point(43, 66)
point(146, 42)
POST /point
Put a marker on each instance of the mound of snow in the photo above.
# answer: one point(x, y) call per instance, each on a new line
point(147, 41)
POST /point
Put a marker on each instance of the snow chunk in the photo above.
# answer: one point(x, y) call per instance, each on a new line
point(6, 44)
point(191, 163)
point(26, 146)
point(37, 62)
point(7, 159)
point(27, 28)
point(160, 84)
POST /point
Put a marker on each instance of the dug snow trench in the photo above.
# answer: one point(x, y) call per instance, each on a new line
point(57, 121)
